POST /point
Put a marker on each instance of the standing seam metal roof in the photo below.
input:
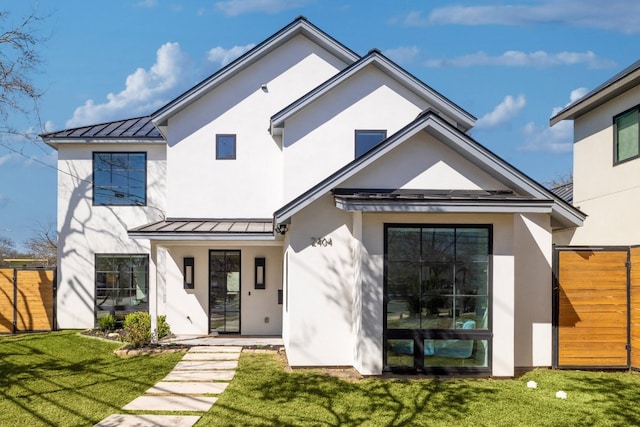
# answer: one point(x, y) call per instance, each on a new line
point(140, 127)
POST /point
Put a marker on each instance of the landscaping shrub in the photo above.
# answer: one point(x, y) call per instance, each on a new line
point(163, 327)
point(107, 322)
point(137, 328)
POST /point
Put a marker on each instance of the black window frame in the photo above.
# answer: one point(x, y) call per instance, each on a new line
point(219, 155)
point(616, 161)
point(419, 335)
point(359, 153)
point(119, 198)
point(119, 310)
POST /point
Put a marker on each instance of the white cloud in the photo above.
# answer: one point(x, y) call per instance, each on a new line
point(556, 139)
point(4, 159)
point(145, 90)
point(513, 58)
point(503, 112)
point(238, 7)
point(616, 15)
point(402, 54)
point(222, 56)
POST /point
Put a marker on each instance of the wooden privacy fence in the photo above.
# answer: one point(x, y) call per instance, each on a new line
point(27, 298)
point(597, 307)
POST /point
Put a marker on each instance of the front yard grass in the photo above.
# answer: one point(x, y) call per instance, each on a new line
point(263, 393)
point(65, 379)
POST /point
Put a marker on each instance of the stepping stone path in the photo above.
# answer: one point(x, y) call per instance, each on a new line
point(203, 371)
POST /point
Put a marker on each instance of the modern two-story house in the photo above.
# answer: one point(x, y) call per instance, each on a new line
point(306, 191)
point(597, 265)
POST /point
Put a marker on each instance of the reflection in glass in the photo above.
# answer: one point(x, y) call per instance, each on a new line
point(456, 352)
point(400, 353)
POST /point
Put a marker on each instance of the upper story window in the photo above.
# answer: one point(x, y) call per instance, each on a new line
point(627, 136)
point(367, 139)
point(225, 147)
point(120, 179)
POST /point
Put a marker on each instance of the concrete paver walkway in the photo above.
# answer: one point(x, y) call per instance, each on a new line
point(203, 372)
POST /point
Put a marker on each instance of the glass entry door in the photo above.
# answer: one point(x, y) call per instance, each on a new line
point(224, 291)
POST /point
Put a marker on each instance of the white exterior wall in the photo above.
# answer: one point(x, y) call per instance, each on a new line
point(320, 139)
point(533, 259)
point(423, 162)
point(187, 310)
point(85, 230)
point(320, 294)
point(251, 185)
point(608, 194)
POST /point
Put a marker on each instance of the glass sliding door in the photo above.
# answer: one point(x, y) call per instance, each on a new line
point(437, 297)
point(224, 291)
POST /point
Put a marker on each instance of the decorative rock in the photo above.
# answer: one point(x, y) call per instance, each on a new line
point(561, 395)
point(532, 384)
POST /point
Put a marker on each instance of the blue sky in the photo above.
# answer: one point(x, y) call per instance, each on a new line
point(509, 63)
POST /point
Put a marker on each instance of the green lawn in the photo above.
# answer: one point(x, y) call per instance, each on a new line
point(64, 379)
point(262, 394)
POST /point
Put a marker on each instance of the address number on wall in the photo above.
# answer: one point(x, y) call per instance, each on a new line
point(321, 242)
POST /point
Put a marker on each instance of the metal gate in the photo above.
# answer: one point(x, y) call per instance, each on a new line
point(27, 299)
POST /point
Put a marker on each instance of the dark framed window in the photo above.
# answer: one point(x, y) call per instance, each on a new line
point(367, 139)
point(225, 147)
point(119, 178)
point(437, 308)
point(626, 136)
point(122, 284)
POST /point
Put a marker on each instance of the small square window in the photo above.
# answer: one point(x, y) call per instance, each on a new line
point(225, 147)
point(367, 139)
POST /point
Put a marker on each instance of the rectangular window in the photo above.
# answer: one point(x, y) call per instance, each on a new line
point(627, 136)
point(225, 147)
point(367, 139)
point(120, 179)
point(122, 284)
point(437, 292)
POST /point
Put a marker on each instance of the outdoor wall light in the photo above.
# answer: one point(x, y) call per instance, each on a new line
point(187, 271)
point(260, 272)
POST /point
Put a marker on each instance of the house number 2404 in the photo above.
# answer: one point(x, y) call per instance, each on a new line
point(321, 242)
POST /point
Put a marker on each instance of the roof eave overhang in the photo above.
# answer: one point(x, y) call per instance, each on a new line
point(55, 142)
point(596, 98)
point(168, 236)
point(445, 206)
point(301, 26)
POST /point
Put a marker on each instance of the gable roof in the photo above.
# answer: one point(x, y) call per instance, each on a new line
point(439, 102)
point(139, 129)
point(616, 85)
point(299, 26)
point(562, 212)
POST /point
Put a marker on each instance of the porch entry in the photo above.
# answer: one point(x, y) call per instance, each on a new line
point(224, 291)
point(437, 298)
point(596, 298)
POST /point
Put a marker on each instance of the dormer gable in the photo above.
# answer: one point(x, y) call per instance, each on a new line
point(436, 101)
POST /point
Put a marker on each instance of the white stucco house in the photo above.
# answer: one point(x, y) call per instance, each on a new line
point(306, 191)
point(596, 266)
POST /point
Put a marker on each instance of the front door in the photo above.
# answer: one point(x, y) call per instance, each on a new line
point(224, 291)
